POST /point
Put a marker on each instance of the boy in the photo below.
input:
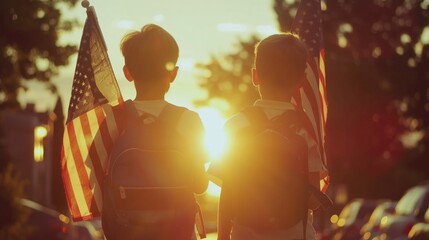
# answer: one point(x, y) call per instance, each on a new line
point(280, 63)
point(150, 62)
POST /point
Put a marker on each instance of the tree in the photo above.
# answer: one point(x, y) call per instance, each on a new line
point(29, 47)
point(375, 67)
point(378, 83)
point(229, 77)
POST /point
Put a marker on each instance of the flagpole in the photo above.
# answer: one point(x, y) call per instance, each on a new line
point(90, 11)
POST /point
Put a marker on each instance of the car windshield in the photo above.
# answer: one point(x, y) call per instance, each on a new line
point(350, 211)
point(408, 204)
point(380, 211)
point(376, 215)
point(357, 210)
point(427, 215)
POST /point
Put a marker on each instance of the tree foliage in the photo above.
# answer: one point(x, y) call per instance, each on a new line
point(377, 58)
point(378, 87)
point(29, 48)
point(229, 77)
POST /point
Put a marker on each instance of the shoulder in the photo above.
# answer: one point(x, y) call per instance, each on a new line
point(236, 123)
point(187, 115)
point(189, 121)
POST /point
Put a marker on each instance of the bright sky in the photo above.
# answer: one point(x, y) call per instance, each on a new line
point(200, 27)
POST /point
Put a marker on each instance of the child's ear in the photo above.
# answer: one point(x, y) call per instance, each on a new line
point(127, 74)
point(172, 75)
point(255, 77)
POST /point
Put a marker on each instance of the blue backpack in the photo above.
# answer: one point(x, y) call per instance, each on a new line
point(147, 190)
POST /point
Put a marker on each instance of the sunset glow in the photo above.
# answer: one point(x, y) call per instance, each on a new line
point(215, 138)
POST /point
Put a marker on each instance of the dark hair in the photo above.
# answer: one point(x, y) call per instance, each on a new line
point(280, 60)
point(149, 54)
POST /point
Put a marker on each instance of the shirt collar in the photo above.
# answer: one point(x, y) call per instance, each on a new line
point(274, 104)
point(150, 101)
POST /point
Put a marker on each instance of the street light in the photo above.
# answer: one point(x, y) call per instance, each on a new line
point(40, 132)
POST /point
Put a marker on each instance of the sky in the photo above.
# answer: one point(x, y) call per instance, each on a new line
point(202, 28)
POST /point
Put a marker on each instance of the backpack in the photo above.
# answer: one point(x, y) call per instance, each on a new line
point(269, 172)
point(147, 189)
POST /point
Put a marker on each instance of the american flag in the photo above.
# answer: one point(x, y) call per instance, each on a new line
point(312, 97)
point(91, 126)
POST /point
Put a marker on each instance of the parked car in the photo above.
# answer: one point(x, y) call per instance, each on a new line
point(351, 219)
point(45, 223)
point(372, 227)
point(410, 210)
point(420, 231)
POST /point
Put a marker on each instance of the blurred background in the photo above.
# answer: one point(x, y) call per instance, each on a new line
point(377, 68)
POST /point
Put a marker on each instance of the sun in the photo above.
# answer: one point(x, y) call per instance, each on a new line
point(215, 140)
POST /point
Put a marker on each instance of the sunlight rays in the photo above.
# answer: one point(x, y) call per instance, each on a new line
point(215, 138)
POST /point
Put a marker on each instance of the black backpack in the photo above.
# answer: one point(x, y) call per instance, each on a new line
point(147, 190)
point(269, 172)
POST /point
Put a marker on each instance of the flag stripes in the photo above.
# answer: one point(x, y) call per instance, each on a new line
point(86, 141)
point(313, 95)
point(91, 126)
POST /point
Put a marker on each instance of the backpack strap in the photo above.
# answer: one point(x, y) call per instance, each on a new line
point(131, 113)
point(256, 116)
point(298, 119)
point(171, 114)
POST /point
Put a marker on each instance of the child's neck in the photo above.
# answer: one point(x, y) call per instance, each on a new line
point(275, 94)
point(149, 96)
point(279, 98)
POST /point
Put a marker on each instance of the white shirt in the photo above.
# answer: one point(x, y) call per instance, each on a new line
point(188, 124)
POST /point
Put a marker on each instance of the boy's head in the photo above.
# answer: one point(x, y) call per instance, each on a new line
point(150, 56)
point(280, 62)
